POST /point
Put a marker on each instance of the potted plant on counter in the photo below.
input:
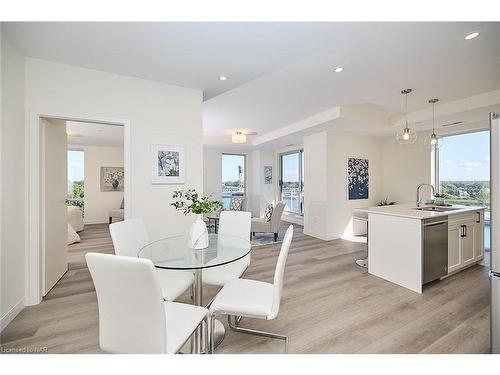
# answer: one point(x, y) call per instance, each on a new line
point(439, 199)
point(385, 202)
point(189, 201)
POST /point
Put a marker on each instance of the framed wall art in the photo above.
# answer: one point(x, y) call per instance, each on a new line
point(168, 164)
point(357, 178)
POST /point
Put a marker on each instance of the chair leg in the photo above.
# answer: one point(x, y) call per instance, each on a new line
point(208, 322)
point(275, 237)
point(237, 320)
point(212, 336)
point(249, 331)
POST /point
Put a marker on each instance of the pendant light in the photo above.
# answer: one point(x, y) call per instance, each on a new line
point(434, 140)
point(406, 136)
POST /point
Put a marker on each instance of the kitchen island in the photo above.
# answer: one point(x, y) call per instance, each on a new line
point(410, 246)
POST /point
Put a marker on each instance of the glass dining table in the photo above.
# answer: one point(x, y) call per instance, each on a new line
point(173, 253)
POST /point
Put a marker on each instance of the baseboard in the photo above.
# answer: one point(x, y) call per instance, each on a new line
point(320, 236)
point(11, 314)
point(90, 222)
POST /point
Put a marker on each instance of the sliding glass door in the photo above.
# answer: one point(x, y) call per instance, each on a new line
point(292, 181)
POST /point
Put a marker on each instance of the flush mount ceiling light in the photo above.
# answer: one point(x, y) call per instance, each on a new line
point(338, 69)
point(223, 78)
point(406, 136)
point(471, 35)
point(239, 137)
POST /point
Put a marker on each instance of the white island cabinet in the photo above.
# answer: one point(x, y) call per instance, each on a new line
point(397, 236)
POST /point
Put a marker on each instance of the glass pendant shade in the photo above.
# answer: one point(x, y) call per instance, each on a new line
point(432, 141)
point(406, 136)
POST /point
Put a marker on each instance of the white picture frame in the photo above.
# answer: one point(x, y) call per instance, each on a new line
point(168, 164)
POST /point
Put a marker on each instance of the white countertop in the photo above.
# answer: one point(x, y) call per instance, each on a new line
point(409, 211)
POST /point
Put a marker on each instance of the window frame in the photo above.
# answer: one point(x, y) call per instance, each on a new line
point(244, 169)
point(300, 152)
point(436, 154)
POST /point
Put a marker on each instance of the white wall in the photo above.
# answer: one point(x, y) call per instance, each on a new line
point(158, 113)
point(341, 146)
point(212, 172)
point(405, 167)
point(12, 235)
point(262, 194)
point(98, 203)
point(327, 211)
point(316, 186)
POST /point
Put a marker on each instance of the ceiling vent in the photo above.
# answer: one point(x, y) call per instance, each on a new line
point(453, 123)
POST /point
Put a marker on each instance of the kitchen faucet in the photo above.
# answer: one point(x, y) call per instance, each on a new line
point(418, 192)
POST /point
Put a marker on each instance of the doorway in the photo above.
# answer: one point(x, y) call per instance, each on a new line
point(49, 193)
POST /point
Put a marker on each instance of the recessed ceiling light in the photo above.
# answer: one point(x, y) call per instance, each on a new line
point(338, 69)
point(223, 78)
point(471, 35)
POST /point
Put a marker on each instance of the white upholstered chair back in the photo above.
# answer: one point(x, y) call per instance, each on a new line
point(280, 270)
point(235, 223)
point(129, 236)
point(131, 308)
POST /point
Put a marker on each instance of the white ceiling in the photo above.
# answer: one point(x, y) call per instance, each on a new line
point(186, 54)
point(379, 60)
point(86, 133)
point(281, 73)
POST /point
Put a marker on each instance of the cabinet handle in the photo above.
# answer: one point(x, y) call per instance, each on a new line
point(462, 234)
point(478, 217)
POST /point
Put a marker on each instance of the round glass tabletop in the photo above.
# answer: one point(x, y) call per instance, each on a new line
point(174, 252)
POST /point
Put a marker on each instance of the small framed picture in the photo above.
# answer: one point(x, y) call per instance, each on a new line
point(268, 174)
point(168, 164)
point(111, 178)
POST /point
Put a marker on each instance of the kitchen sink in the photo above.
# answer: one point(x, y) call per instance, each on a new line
point(437, 209)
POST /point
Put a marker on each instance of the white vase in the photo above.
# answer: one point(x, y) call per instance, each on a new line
point(198, 234)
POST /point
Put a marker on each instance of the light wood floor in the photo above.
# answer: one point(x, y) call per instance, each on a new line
point(329, 305)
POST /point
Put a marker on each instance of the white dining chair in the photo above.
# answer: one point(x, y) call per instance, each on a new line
point(129, 236)
point(237, 224)
point(253, 299)
point(133, 317)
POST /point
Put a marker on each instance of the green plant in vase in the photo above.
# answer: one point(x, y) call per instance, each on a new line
point(189, 201)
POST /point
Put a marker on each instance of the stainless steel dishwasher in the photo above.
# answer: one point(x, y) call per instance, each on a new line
point(435, 248)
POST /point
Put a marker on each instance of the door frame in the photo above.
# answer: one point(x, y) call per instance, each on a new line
point(34, 271)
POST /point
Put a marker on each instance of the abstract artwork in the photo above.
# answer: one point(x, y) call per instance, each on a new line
point(268, 174)
point(112, 178)
point(357, 178)
point(167, 164)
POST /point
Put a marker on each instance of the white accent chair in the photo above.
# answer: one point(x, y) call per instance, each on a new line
point(129, 236)
point(237, 224)
point(133, 317)
point(253, 299)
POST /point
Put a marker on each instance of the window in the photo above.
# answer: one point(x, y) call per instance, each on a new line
point(292, 181)
point(75, 196)
point(463, 171)
point(233, 177)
